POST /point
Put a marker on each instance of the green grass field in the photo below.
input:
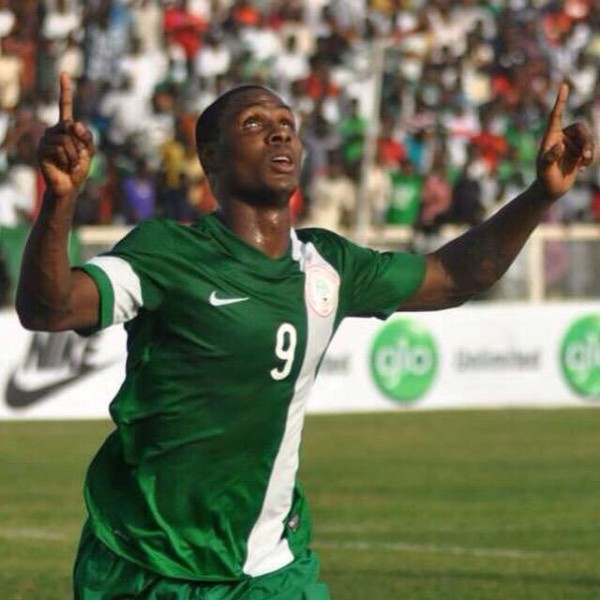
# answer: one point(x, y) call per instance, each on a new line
point(491, 505)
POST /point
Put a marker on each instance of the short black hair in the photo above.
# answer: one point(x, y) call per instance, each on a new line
point(209, 121)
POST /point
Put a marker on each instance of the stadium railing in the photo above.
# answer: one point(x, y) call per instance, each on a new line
point(559, 262)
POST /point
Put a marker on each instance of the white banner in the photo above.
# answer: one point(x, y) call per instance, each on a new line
point(58, 375)
point(476, 356)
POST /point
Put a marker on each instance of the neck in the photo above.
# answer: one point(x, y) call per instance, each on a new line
point(265, 228)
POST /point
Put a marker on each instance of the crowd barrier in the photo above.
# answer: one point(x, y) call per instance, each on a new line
point(559, 262)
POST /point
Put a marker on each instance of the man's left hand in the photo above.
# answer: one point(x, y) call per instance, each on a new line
point(563, 151)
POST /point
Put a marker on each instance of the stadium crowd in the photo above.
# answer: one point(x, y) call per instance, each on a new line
point(464, 86)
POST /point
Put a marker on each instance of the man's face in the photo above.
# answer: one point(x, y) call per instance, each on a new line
point(259, 151)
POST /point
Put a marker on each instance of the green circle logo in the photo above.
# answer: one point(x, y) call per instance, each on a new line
point(403, 360)
point(580, 356)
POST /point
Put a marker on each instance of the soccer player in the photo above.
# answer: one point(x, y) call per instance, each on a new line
point(194, 495)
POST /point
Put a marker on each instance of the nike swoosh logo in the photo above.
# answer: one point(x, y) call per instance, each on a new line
point(18, 397)
point(216, 301)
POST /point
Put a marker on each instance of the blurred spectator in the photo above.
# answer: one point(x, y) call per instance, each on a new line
point(177, 62)
point(289, 65)
point(15, 211)
point(24, 41)
point(11, 69)
point(46, 109)
point(378, 188)
point(466, 207)
point(243, 13)
point(62, 21)
point(295, 24)
point(420, 128)
point(104, 190)
point(125, 112)
point(213, 59)
point(333, 40)
point(262, 42)
point(522, 142)
point(145, 69)
point(7, 18)
point(185, 29)
point(61, 26)
point(436, 197)
point(139, 193)
point(583, 79)
point(391, 152)
point(333, 196)
point(492, 145)
point(175, 201)
point(147, 17)
point(405, 197)
point(184, 191)
point(447, 27)
point(461, 124)
point(24, 132)
point(353, 128)
point(159, 125)
point(107, 26)
point(320, 138)
point(72, 59)
point(15, 207)
point(318, 84)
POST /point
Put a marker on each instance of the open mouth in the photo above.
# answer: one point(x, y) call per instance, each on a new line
point(283, 163)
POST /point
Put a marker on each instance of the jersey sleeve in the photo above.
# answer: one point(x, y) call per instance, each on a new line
point(134, 275)
point(381, 281)
point(373, 283)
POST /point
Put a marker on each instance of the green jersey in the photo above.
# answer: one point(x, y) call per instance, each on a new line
point(405, 199)
point(198, 480)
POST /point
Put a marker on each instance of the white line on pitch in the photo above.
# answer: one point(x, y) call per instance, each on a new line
point(32, 533)
point(429, 549)
point(41, 534)
point(383, 528)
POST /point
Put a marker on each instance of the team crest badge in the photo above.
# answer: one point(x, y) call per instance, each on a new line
point(322, 287)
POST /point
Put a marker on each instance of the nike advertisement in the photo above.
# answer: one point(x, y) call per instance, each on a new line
point(476, 356)
point(58, 375)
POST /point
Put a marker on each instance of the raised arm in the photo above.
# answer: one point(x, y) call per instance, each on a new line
point(473, 262)
point(50, 295)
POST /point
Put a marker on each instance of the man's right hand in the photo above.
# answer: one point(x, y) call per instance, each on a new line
point(65, 150)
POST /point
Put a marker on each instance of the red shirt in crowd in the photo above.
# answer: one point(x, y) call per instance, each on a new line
point(186, 29)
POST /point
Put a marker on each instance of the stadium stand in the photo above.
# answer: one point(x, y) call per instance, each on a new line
point(450, 101)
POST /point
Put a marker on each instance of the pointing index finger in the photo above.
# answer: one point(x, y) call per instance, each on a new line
point(65, 101)
point(559, 105)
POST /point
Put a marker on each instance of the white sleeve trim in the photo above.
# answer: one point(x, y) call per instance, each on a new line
point(127, 288)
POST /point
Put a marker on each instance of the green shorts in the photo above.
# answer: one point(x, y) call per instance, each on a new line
point(100, 574)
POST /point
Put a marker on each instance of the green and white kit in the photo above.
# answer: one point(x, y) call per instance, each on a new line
point(198, 480)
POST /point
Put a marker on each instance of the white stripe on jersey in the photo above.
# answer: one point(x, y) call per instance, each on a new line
point(267, 549)
point(126, 285)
